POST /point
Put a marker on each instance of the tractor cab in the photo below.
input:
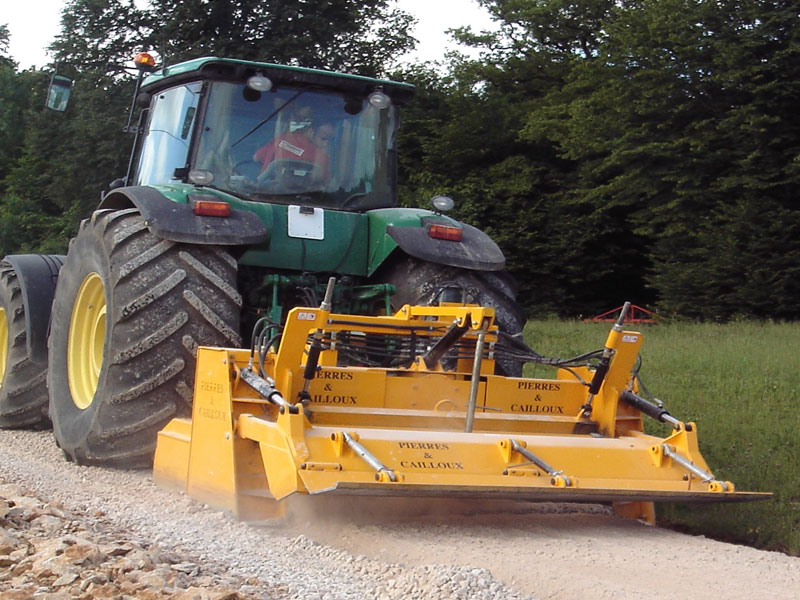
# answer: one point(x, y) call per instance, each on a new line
point(274, 134)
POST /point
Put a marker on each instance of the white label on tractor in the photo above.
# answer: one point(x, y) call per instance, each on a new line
point(304, 316)
point(296, 150)
point(306, 222)
point(630, 338)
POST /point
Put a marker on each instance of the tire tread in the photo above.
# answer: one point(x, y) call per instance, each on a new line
point(23, 391)
point(159, 294)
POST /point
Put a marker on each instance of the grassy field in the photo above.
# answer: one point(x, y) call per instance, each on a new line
point(740, 383)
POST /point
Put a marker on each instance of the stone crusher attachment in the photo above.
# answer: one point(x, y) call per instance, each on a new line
point(409, 405)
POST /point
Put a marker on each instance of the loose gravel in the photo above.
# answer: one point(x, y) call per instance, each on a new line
point(270, 558)
point(342, 548)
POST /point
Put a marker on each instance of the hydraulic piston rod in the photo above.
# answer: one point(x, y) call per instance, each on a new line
point(558, 476)
point(316, 345)
point(454, 333)
point(704, 476)
point(368, 458)
point(476, 378)
point(649, 408)
point(267, 390)
point(605, 362)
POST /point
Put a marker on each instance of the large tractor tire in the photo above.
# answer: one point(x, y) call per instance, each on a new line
point(129, 312)
point(23, 391)
point(420, 282)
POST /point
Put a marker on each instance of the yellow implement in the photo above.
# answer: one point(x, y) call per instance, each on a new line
point(433, 421)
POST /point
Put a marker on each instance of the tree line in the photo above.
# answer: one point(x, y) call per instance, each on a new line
point(643, 150)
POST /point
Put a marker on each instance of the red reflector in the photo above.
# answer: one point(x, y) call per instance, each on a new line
point(445, 232)
point(209, 208)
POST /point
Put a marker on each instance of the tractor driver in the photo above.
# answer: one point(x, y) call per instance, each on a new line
point(304, 142)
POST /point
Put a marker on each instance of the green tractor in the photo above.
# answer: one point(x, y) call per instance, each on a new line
point(249, 186)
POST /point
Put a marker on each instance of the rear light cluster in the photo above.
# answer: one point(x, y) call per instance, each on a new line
point(211, 208)
point(445, 232)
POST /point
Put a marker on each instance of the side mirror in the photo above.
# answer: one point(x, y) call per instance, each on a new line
point(117, 183)
point(143, 99)
point(58, 93)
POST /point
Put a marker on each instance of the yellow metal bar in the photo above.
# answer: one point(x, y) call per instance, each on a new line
point(626, 346)
point(445, 460)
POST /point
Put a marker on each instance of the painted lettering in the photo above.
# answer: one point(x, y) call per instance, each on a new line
point(538, 408)
point(211, 386)
point(211, 413)
point(335, 375)
point(543, 386)
point(423, 445)
point(331, 399)
point(453, 466)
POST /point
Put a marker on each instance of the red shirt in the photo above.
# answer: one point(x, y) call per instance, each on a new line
point(292, 146)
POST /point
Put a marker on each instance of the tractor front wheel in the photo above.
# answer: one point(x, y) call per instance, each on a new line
point(129, 312)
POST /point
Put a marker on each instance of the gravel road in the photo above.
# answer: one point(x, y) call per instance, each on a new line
point(342, 548)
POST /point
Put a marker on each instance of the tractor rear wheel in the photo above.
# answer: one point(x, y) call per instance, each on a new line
point(23, 391)
point(129, 312)
point(421, 282)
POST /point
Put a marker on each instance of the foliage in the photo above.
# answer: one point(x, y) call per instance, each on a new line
point(54, 166)
point(4, 40)
point(569, 257)
point(681, 121)
point(644, 150)
point(14, 92)
point(341, 35)
point(66, 161)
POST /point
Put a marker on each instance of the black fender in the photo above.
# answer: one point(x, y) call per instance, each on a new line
point(37, 275)
point(177, 222)
point(476, 250)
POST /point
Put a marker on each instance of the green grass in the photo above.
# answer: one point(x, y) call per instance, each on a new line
point(740, 383)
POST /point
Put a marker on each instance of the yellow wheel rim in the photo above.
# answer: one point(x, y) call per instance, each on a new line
point(87, 335)
point(3, 344)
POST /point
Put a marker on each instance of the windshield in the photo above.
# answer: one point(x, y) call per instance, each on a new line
point(297, 146)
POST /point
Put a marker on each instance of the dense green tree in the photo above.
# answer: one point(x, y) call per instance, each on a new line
point(66, 161)
point(5, 37)
point(341, 34)
point(63, 161)
point(568, 256)
point(349, 35)
point(646, 150)
point(643, 150)
point(462, 139)
point(14, 98)
point(14, 94)
point(682, 122)
point(99, 37)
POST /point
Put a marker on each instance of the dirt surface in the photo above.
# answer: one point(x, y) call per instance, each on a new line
point(331, 548)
